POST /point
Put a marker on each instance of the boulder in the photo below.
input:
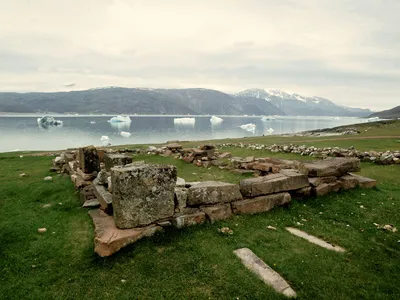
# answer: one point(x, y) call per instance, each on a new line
point(260, 204)
point(286, 180)
point(89, 160)
point(210, 192)
point(217, 212)
point(109, 239)
point(142, 194)
point(189, 217)
point(112, 160)
point(104, 197)
point(333, 166)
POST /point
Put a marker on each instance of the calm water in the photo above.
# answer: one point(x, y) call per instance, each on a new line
point(23, 132)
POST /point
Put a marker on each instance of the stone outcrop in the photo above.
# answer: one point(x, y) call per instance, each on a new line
point(274, 183)
point(211, 192)
point(142, 194)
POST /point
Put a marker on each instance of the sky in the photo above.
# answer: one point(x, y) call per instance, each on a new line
point(345, 50)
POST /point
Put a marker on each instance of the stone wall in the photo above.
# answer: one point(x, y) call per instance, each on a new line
point(136, 199)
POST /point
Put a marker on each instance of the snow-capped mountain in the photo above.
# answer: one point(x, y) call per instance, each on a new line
point(299, 105)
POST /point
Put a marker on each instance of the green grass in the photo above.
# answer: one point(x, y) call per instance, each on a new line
point(196, 262)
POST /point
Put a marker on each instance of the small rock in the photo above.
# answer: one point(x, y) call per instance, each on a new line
point(42, 230)
point(21, 156)
point(390, 228)
point(46, 205)
point(123, 281)
point(271, 227)
point(225, 230)
point(48, 178)
point(23, 175)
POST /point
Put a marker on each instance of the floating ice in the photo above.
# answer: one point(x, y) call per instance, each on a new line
point(248, 127)
point(105, 140)
point(184, 121)
point(125, 134)
point(92, 122)
point(373, 119)
point(47, 121)
point(265, 118)
point(216, 120)
point(270, 130)
point(119, 119)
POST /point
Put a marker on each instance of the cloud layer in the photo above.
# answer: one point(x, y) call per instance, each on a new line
point(347, 51)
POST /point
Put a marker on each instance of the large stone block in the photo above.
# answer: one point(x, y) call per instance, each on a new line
point(189, 217)
point(333, 166)
point(316, 181)
point(89, 160)
point(348, 182)
point(217, 212)
point(260, 204)
point(325, 188)
point(112, 160)
point(210, 192)
point(142, 194)
point(104, 197)
point(181, 195)
point(364, 182)
point(286, 180)
point(109, 239)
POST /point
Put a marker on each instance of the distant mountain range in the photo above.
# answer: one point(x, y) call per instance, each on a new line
point(116, 100)
point(393, 113)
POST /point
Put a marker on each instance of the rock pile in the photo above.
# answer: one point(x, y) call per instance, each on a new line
point(138, 199)
point(382, 158)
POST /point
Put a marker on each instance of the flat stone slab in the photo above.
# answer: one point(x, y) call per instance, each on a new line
point(364, 182)
point(112, 160)
point(189, 217)
point(325, 188)
point(92, 203)
point(104, 197)
point(316, 181)
point(260, 204)
point(217, 212)
point(265, 272)
point(286, 180)
point(109, 239)
point(333, 166)
point(315, 240)
point(348, 182)
point(211, 192)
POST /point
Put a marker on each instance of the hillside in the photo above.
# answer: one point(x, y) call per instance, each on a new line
point(393, 113)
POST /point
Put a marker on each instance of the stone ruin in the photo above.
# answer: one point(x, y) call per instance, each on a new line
point(131, 200)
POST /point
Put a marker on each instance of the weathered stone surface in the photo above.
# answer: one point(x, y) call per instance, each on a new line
point(348, 182)
point(174, 146)
point(181, 195)
point(265, 167)
point(109, 239)
point(260, 204)
point(102, 177)
point(86, 194)
point(217, 212)
point(225, 155)
point(180, 182)
point(264, 272)
point(334, 166)
point(189, 217)
point(89, 160)
point(286, 180)
point(104, 197)
point(207, 147)
point(111, 160)
point(142, 194)
point(325, 188)
point(91, 203)
point(73, 166)
point(86, 176)
point(109, 184)
point(79, 182)
point(210, 192)
point(364, 182)
point(316, 181)
point(315, 240)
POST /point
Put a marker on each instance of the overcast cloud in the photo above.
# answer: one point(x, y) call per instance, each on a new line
point(344, 50)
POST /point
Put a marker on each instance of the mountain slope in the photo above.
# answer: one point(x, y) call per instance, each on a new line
point(393, 113)
point(298, 105)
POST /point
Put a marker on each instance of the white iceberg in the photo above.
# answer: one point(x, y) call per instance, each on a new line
point(47, 121)
point(92, 122)
point(105, 140)
point(265, 118)
point(216, 120)
point(248, 127)
point(270, 130)
point(119, 119)
point(125, 134)
point(185, 121)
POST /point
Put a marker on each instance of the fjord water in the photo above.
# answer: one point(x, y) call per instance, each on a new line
point(23, 132)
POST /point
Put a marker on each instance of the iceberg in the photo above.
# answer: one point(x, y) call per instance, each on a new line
point(92, 122)
point(119, 119)
point(105, 140)
point(215, 120)
point(47, 121)
point(185, 121)
point(270, 130)
point(125, 134)
point(248, 127)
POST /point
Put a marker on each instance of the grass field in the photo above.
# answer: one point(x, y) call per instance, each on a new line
point(198, 262)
